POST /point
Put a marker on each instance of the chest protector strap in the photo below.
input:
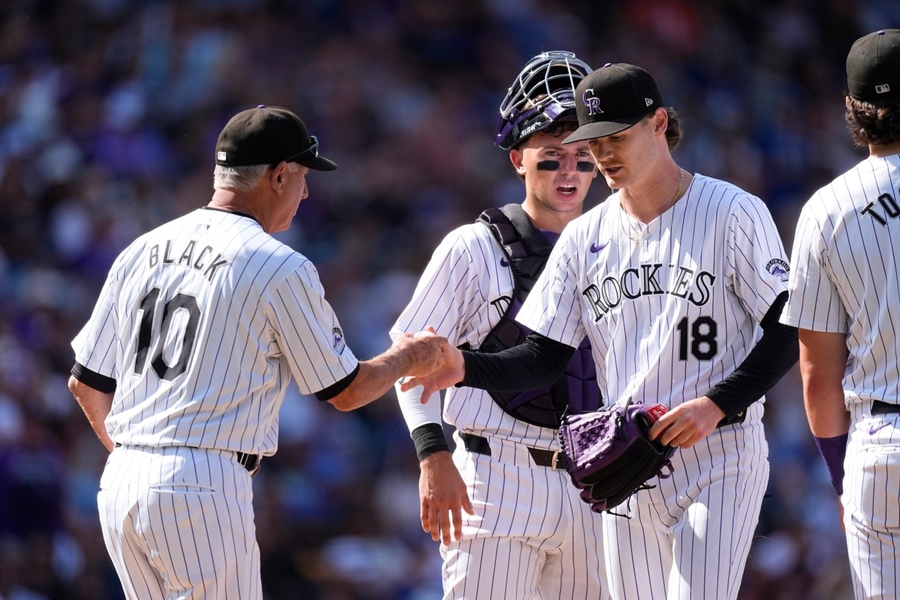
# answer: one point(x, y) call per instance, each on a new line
point(527, 251)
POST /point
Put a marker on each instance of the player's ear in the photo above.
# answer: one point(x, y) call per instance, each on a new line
point(660, 120)
point(277, 175)
point(515, 157)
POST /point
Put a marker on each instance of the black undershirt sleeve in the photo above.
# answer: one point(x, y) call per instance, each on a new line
point(776, 352)
point(535, 363)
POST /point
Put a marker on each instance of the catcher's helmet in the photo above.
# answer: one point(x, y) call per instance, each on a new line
point(543, 92)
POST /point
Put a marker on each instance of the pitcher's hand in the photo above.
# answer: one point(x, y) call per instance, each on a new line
point(687, 423)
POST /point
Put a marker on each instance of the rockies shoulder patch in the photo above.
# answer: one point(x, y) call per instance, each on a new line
point(778, 268)
point(337, 340)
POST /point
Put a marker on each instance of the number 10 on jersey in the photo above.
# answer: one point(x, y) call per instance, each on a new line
point(148, 338)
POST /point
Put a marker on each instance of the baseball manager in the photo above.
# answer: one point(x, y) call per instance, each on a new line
point(184, 363)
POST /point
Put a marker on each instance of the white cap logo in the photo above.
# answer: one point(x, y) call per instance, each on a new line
point(592, 103)
point(648, 101)
point(884, 88)
point(222, 155)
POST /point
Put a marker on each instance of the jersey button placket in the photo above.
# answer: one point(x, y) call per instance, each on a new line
point(647, 246)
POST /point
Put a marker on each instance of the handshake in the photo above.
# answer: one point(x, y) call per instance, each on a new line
point(412, 357)
point(429, 360)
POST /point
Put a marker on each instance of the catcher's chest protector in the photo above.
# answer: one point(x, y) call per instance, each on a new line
point(527, 251)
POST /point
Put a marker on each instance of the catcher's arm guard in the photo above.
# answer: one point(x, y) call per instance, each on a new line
point(608, 454)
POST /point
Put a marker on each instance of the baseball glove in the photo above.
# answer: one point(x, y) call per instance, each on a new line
point(608, 454)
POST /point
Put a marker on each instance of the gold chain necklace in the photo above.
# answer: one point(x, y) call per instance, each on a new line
point(634, 231)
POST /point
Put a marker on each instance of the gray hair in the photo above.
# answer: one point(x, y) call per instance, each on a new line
point(243, 179)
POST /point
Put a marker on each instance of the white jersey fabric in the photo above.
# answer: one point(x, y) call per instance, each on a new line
point(671, 308)
point(531, 535)
point(202, 323)
point(846, 279)
point(463, 292)
point(846, 268)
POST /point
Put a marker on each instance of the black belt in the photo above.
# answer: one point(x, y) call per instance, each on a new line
point(542, 458)
point(248, 461)
point(884, 408)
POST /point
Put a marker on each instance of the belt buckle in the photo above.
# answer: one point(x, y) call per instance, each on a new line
point(554, 461)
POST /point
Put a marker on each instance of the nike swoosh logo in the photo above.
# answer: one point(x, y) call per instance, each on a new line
point(595, 248)
point(876, 428)
point(503, 262)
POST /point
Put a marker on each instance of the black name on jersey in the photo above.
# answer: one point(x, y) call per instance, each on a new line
point(682, 282)
point(502, 304)
point(888, 204)
point(201, 262)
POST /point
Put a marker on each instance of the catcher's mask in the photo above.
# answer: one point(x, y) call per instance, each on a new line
point(542, 93)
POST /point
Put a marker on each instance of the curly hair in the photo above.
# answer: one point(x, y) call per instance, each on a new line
point(876, 124)
point(675, 131)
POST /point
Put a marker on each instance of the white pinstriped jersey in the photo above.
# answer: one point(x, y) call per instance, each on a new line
point(202, 322)
point(530, 535)
point(671, 307)
point(463, 293)
point(846, 276)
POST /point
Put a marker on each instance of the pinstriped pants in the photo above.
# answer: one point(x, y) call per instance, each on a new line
point(178, 523)
point(531, 535)
point(690, 536)
point(872, 502)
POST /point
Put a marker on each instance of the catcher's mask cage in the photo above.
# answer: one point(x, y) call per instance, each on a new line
point(543, 92)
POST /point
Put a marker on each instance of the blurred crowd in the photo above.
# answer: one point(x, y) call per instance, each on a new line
point(109, 111)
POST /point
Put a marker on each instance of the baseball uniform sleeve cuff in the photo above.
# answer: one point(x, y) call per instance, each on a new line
point(333, 390)
point(99, 382)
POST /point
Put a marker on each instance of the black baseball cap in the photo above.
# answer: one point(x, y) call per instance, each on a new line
point(267, 135)
point(873, 66)
point(612, 99)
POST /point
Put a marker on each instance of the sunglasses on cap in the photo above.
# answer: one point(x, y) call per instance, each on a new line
point(314, 148)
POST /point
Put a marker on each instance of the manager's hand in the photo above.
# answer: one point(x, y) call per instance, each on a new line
point(426, 351)
point(449, 373)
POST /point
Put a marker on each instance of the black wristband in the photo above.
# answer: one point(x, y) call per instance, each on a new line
point(428, 439)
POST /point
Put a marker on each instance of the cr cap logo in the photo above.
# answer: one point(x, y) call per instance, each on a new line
point(778, 268)
point(592, 103)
